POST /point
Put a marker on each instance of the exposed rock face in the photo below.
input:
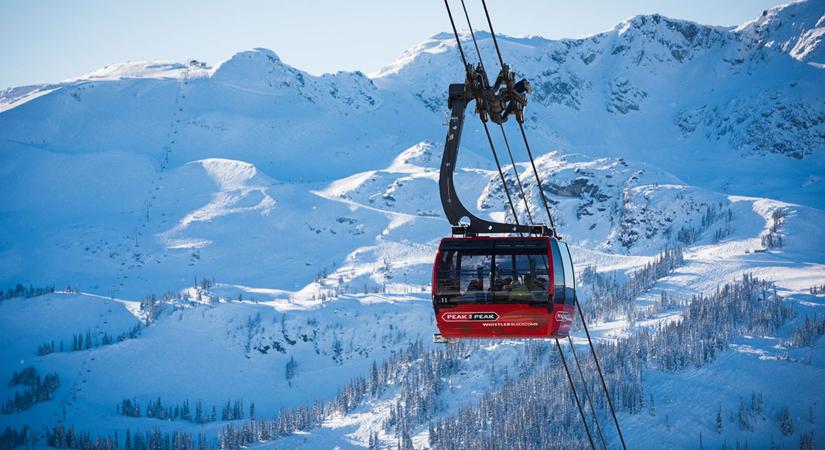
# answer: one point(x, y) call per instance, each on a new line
point(769, 123)
point(612, 204)
point(624, 97)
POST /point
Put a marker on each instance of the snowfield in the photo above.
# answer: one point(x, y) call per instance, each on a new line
point(246, 233)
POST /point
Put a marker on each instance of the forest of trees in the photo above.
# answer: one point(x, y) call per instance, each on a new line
point(688, 234)
point(612, 299)
point(24, 292)
point(11, 438)
point(537, 411)
point(188, 411)
point(62, 437)
point(419, 373)
point(748, 306)
point(36, 390)
point(807, 332)
point(87, 340)
point(406, 367)
point(533, 407)
point(773, 238)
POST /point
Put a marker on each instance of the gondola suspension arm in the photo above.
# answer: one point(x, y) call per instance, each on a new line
point(459, 97)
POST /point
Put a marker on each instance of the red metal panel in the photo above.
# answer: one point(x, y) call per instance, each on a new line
point(504, 320)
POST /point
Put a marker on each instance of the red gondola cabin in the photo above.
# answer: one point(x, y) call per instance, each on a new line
point(503, 287)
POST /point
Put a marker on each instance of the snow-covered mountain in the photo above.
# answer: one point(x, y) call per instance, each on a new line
point(272, 232)
point(658, 89)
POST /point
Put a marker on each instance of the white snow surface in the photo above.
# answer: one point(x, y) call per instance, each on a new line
point(313, 200)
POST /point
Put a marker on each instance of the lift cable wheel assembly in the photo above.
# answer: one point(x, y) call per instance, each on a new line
point(507, 285)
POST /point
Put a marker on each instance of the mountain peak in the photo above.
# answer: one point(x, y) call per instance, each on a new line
point(258, 68)
point(796, 28)
point(662, 38)
point(257, 53)
point(651, 21)
point(257, 58)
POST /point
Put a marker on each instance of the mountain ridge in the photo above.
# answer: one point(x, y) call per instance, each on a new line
point(249, 233)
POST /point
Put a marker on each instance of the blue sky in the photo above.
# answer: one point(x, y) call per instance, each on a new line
point(51, 40)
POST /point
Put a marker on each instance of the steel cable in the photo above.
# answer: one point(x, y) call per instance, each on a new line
point(550, 218)
point(527, 207)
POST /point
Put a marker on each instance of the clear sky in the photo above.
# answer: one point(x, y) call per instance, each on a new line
point(51, 40)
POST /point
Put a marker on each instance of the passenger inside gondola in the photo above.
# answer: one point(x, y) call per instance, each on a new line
point(529, 278)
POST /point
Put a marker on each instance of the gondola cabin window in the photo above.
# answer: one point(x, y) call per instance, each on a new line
point(558, 273)
point(569, 277)
point(493, 272)
point(474, 277)
point(521, 278)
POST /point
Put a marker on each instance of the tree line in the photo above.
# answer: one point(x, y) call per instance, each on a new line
point(773, 237)
point(20, 291)
point(807, 332)
point(534, 408)
point(62, 437)
point(185, 411)
point(36, 390)
point(88, 340)
point(401, 367)
point(689, 234)
point(12, 438)
point(419, 374)
point(616, 299)
point(537, 411)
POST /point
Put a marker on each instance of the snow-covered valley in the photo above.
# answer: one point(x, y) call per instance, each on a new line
point(213, 237)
